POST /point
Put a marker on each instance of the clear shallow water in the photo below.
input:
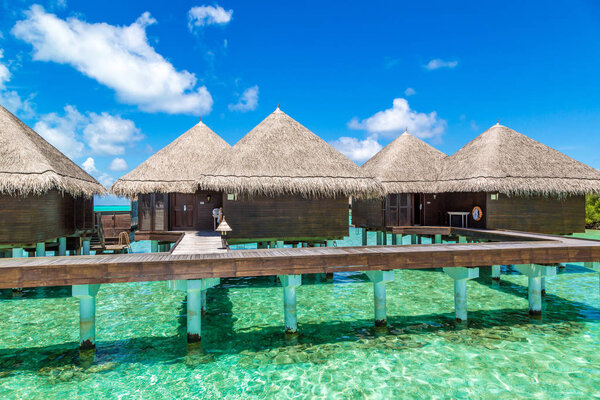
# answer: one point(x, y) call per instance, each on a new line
point(142, 352)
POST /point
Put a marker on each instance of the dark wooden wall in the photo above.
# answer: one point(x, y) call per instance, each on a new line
point(286, 218)
point(35, 219)
point(463, 201)
point(537, 214)
point(153, 212)
point(368, 213)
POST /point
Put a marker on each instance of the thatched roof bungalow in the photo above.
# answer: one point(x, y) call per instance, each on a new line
point(518, 183)
point(282, 182)
point(408, 169)
point(168, 186)
point(44, 195)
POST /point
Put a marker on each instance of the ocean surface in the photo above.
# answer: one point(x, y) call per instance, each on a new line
point(500, 353)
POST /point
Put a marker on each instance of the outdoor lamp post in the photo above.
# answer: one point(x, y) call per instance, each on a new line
point(224, 228)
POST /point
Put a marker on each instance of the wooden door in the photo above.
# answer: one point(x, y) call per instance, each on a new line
point(398, 209)
point(182, 211)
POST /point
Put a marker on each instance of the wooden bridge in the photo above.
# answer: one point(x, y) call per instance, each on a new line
point(190, 266)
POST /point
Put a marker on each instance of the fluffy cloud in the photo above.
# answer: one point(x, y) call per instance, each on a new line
point(208, 15)
point(248, 100)
point(357, 150)
point(109, 135)
point(438, 63)
point(61, 131)
point(76, 134)
point(118, 164)
point(393, 121)
point(410, 91)
point(10, 99)
point(89, 165)
point(119, 57)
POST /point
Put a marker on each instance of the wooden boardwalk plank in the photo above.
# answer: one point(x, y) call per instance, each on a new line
point(203, 262)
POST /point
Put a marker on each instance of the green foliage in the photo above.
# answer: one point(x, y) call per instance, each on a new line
point(592, 209)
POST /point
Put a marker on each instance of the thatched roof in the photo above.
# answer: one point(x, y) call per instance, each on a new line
point(179, 167)
point(505, 161)
point(406, 165)
point(280, 156)
point(29, 165)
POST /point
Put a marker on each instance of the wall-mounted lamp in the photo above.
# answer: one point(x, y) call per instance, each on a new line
point(208, 197)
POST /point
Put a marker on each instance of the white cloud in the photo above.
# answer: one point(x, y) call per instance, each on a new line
point(61, 131)
point(357, 150)
point(118, 164)
point(208, 15)
point(410, 92)
point(109, 135)
point(10, 99)
point(76, 134)
point(248, 100)
point(393, 121)
point(119, 57)
point(89, 165)
point(438, 63)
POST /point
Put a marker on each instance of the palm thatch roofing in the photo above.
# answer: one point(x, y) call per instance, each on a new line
point(406, 165)
point(502, 160)
point(280, 156)
point(29, 165)
point(177, 168)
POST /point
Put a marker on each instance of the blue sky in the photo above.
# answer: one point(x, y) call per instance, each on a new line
point(109, 83)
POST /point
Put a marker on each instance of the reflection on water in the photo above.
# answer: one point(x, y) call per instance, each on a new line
point(142, 351)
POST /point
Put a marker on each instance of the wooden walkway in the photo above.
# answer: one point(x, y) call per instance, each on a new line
point(201, 242)
point(529, 248)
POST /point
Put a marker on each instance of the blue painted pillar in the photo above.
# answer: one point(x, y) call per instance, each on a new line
point(379, 279)
point(40, 249)
point(62, 246)
point(394, 239)
point(496, 272)
point(17, 253)
point(461, 275)
point(154, 246)
point(462, 239)
point(535, 273)
point(437, 239)
point(85, 247)
point(87, 314)
point(195, 296)
point(364, 233)
point(413, 239)
point(290, 283)
point(380, 236)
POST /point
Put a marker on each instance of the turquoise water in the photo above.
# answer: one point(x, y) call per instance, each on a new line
point(142, 354)
point(112, 208)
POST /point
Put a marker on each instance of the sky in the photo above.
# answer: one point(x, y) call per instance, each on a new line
point(110, 83)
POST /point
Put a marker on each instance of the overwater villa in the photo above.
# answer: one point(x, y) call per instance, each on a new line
point(279, 183)
point(500, 180)
point(167, 184)
point(407, 168)
point(46, 199)
point(506, 180)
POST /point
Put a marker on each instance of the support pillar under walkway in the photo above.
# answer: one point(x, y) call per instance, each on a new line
point(62, 246)
point(364, 234)
point(496, 272)
point(535, 273)
point(290, 283)
point(461, 275)
point(87, 314)
point(379, 279)
point(196, 295)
